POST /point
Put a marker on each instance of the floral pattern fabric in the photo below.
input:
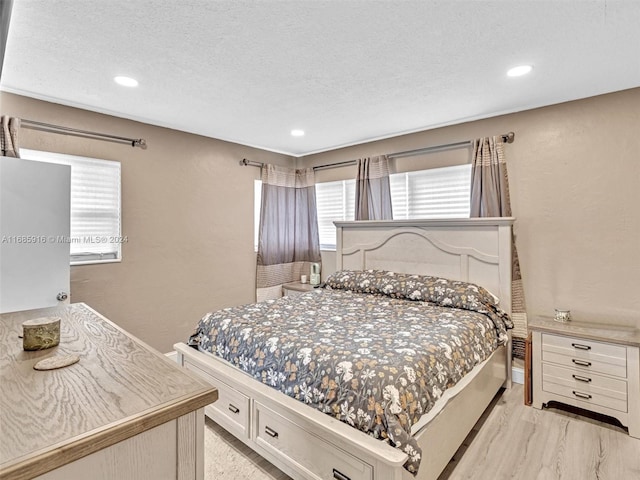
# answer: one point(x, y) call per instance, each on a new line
point(441, 291)
point(366, 349)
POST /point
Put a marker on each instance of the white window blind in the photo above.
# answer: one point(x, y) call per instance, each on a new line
point(335, 201)
point(95, 206)
point(434, 193)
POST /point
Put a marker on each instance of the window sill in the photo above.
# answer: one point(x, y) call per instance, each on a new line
point(76, 263)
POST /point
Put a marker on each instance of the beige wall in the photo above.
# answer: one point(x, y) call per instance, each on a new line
point(574, 173)
point(187, 209)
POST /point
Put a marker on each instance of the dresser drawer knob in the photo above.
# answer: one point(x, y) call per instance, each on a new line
point(580, 378)
point(579, 346)
point(271, 432)
point(233, 408)
point(339, 475)
point(581, 363)
point(582, 395)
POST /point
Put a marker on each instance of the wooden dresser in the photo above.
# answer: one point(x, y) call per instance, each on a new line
point(591, 366)
point(123, 411)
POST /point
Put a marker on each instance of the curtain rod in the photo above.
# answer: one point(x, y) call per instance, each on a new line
point(47, 127)
point(507, 137)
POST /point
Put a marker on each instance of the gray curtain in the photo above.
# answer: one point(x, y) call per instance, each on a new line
point(288, 238)
point(9, 136)
point(373, 193)
point(490, 198)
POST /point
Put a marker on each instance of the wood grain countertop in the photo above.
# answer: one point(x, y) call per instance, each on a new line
point(119, 388)
point(623, 335)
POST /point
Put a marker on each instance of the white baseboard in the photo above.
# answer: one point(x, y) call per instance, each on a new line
point(517, 375)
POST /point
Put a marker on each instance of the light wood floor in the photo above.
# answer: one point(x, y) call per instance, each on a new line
point(511, 441)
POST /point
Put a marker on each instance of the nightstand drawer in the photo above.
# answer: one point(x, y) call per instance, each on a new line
point(290, 293)
point(585, 354)
point(585, 364)
point(584, 396)
point(581, 348)
point(296, 288)
point(584, 382)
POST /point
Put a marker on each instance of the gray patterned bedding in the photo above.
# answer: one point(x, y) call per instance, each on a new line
point(373, 349)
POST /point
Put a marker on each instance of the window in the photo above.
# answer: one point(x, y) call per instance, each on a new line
point(95, 206)
point(434, 193)
point(335, 201)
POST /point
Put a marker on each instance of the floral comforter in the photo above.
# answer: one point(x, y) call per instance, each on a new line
point(373, 349)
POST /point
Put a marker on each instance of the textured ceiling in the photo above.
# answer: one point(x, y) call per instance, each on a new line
point(344, 71)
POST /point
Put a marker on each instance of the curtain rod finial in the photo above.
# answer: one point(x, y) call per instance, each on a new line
point(509, 137)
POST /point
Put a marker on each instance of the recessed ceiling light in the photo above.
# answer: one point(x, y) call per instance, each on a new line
point(126, 81)
point(297, 133)
point(519, 70)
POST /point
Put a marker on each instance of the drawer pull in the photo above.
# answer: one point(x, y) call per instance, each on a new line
point(582, 363)
point(582, 395)
point(580, 378)
point(233, 408)
point(339, 476)
point(580, 346)
point(271, 432)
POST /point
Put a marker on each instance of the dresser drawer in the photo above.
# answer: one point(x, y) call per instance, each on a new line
point(583, 382)
point(231, 410)
point(585, 355)
point(313, 456)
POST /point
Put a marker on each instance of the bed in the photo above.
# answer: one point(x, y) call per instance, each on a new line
point(306, 442)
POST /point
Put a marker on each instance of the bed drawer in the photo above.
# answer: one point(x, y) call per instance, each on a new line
point(231, 410)
point(316, 458)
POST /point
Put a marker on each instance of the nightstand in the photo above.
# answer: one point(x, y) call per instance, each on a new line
point(588, 365)
point(296, 288)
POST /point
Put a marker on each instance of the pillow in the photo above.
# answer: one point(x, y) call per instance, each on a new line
point(453, 293)
point(361, 281)
point(436, 290)
point(496, 299)
point(448, 293)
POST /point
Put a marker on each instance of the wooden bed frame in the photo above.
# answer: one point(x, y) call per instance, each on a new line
point(308, 444)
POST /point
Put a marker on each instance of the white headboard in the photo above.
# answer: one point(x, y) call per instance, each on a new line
point(476, 250)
